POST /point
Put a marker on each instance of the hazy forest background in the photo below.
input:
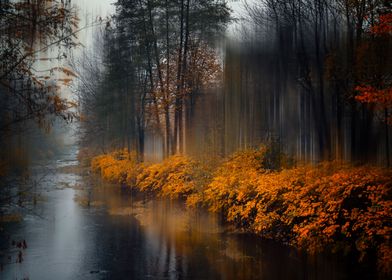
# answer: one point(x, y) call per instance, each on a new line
point(296, 72)
point(162, 77)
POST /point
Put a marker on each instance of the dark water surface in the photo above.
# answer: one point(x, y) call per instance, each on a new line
point(82, 228)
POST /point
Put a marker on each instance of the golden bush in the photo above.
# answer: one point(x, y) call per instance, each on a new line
point(329, 206)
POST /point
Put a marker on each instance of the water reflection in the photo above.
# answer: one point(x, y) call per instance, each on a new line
point(86, 229)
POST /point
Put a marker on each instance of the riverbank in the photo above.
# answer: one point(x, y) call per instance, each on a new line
point(329, 207)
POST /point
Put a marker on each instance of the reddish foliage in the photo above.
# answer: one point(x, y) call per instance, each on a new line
point(384, 25)
point(381, 98)
point(369, 94)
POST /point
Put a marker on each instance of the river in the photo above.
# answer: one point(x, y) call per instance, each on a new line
point(83, 228)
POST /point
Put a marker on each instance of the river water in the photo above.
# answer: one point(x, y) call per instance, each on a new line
point(83, 228)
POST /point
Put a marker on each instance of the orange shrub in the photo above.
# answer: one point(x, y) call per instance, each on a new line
point(342, 206)
point(234, 182)
point(175, 177)
point(329, 206)
point(117, 167)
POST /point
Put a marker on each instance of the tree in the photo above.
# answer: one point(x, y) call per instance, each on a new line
point(29, 31)
point(159, 53)
point(311, 54)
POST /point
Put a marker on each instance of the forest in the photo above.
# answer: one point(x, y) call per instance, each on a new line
point(273, 116)
point(313, 76)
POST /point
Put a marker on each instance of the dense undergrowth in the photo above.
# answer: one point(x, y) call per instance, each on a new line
point(331, 206)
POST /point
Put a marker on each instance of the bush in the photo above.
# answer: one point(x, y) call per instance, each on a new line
point(117, 167)
point(329, 206)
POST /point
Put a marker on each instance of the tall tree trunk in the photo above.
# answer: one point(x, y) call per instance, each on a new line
point(324, 134)
point(183, 76)
point(150, 72)
point(179, 90)
point(167, 93)
point(156, 52)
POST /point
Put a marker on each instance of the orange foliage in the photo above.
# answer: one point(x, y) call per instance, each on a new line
point(331, 206)
point(384, 26)
point(327, 206)
point(368, 94)
point(117, 167)
point(381, 98)
point(173, 177)
point(373, 90)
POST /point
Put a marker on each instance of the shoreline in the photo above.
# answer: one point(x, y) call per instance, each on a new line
point(322, 208)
